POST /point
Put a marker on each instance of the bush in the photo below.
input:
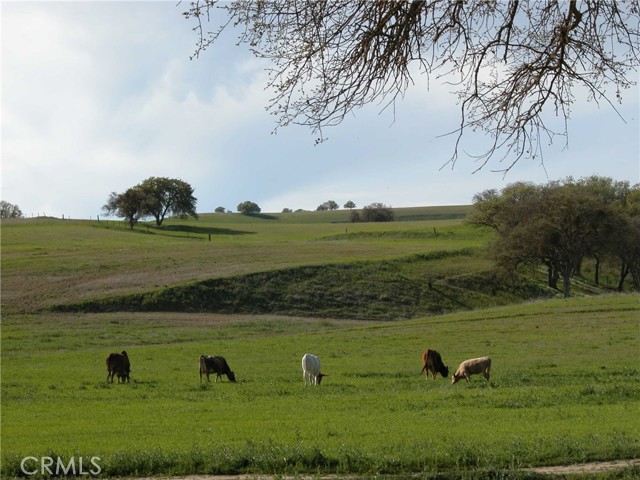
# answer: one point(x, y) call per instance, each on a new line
point(377, 212)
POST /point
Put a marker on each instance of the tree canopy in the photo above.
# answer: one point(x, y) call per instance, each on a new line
point(155, 197)
point(9, 210)
point(512, 64)
point(328, 205)
point(248, 208)
point(170, 196)
point(559, 224)
point(132, 205)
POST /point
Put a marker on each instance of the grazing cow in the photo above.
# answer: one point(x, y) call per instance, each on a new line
point(471, 367)
point(432, 362)
point(217, 365)
point(311, 369)
point(118, 364)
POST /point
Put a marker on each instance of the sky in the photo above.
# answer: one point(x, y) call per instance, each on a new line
point(99, 96)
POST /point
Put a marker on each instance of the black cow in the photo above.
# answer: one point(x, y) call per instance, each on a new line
point(118, 364)
point(217, 365)
point(432, 362)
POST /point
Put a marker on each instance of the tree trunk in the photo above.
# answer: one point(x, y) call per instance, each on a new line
point(624, 271)
point(597, 274)
point(635, 275)
point(566, 279)
point(552, 277)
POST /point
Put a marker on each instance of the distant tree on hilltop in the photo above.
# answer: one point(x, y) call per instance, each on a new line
point(9, 210)
point(248, 208)
point(132, 205)
point(328, 205)
point(170, 197)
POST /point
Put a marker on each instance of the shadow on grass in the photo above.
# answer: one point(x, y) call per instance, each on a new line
point(197, 230)
point(262, 216)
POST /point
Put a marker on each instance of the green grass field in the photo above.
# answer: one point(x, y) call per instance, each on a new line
point(565, 382)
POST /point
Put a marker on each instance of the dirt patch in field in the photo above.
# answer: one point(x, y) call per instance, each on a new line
point(576, 469)
point(585, 468)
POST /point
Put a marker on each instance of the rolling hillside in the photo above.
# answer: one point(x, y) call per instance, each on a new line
point(308, 263)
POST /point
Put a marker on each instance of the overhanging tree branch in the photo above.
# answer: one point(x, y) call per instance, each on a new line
point(515, 63)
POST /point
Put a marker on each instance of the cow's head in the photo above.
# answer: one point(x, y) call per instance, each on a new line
point(320, 375)
point(444, 371)
point(231, 376)
point(455, 378)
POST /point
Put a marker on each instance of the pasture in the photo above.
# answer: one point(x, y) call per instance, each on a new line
point(564, 388)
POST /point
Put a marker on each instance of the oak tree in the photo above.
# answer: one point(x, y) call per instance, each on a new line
point(170, 196)
point(132, 205)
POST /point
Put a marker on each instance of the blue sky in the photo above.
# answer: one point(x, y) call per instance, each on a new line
point(98, 96)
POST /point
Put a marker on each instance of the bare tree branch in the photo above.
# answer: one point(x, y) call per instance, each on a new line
point(515, 63)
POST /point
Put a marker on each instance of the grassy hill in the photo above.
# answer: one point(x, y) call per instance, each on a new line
point(306, 263)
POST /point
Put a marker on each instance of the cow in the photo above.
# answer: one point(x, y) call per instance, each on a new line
point(217, 365)
point(471, 367)
point(432, 362)
point(311, 369)
point(118, 364)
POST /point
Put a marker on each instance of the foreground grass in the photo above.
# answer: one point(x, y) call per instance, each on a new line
point(565, 388)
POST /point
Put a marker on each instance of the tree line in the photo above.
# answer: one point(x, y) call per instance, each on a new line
point(560, 224)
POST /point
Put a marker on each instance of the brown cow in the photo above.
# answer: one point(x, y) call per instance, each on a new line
point(118, 364)
point(432, 362)
point(217, 365)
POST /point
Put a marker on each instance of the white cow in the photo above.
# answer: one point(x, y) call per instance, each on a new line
point(471, 367)
point(311, 369)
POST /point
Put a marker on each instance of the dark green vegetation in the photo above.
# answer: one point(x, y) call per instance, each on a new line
point(565, 384)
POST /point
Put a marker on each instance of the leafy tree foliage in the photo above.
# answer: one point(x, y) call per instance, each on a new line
point(510, 62)
point(328, 205)
point(156, 197)
point(131, 205)
point(350, 205)
point(220, 210)
point(170, 197)
point(248, 208)
point(9, 210)
point(561, 223)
